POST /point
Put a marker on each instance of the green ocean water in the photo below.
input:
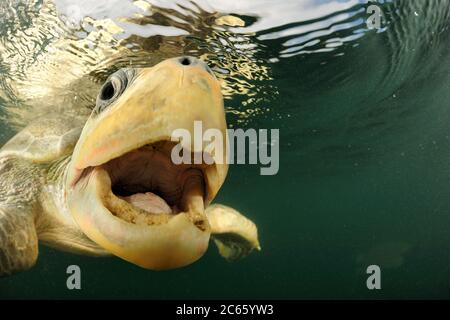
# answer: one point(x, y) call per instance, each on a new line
point(364, 120)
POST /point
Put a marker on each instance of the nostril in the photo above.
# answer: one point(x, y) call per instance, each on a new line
point(194, 62)
point(185, 61)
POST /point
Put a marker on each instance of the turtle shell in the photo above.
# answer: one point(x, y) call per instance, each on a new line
point(45, 139)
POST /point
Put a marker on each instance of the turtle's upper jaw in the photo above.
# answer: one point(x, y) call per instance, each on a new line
point(124, 190)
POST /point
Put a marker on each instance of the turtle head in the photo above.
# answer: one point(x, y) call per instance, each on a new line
point(123, 188)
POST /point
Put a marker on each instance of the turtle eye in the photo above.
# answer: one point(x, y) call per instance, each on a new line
point(108, 91)
point(113, 89)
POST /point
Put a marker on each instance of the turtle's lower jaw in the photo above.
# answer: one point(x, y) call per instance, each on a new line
point(143, 208)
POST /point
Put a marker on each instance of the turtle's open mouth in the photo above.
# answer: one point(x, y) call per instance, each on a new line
point(145, 187)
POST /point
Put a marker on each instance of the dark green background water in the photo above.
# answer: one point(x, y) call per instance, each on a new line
point(364, 175)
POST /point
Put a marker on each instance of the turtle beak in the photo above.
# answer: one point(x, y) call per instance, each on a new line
point(122, 163)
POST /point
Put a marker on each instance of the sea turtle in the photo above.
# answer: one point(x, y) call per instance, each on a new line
point(105, 184)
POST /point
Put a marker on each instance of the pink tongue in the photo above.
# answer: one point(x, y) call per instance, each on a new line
point(149, 202)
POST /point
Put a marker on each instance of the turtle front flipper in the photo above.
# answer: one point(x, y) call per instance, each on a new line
point(18, 241)
point(234, 235)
